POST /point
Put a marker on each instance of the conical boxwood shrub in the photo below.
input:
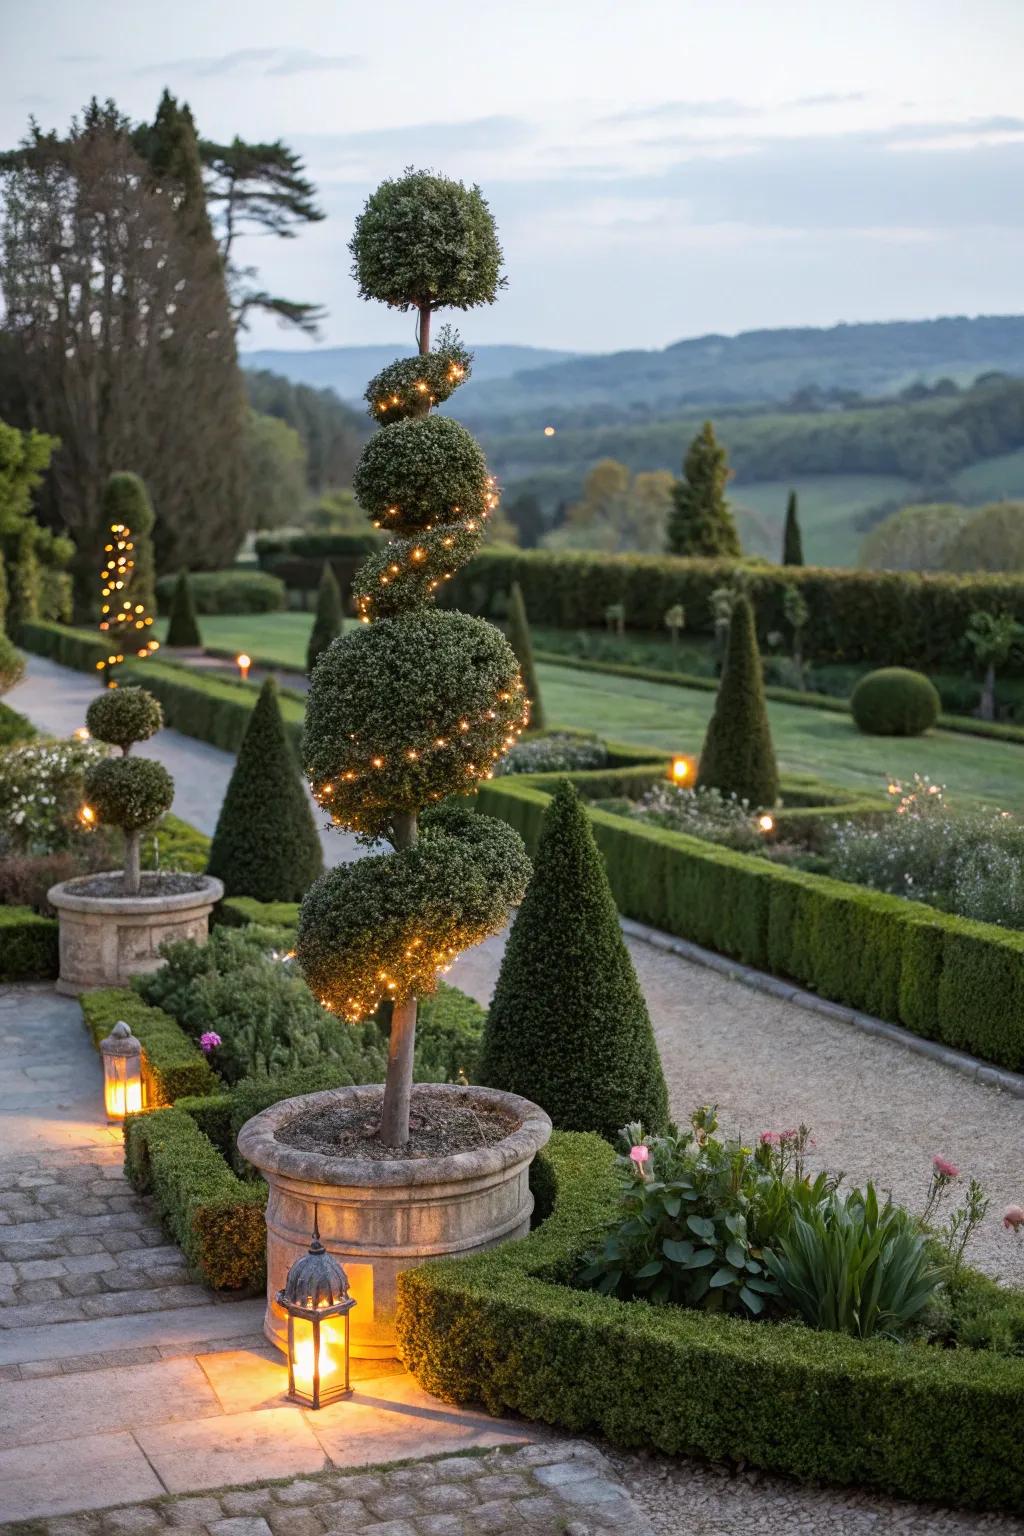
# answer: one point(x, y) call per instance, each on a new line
point(738, 757)
point(329, 619)
point(183, 631)
point(568, 1026)
point(520, 641)
point(266, 843)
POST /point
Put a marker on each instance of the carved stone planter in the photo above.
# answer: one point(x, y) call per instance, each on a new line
point(380, 1218)
point(106, 940)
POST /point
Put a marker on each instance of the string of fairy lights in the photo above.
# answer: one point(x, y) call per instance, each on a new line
point(421, 396)
point(120, 616)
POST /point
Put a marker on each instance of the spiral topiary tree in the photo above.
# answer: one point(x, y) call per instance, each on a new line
point(127, 792)
point(416, 704)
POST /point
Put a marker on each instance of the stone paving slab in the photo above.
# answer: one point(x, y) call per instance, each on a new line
point(185, 1327)
point(60, 1408)
point(89, 1473)
point(233, 1448)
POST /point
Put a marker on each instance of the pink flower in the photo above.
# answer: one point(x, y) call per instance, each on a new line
point(208, 1041)
point(1013, 1217)
point(790, 1135)
point(639, 1154)
point(770, 1138)
point(945, 1168)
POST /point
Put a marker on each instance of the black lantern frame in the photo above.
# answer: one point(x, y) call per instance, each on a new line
point(316, 1291)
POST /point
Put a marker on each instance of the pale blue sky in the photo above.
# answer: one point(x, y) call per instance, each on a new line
point(658, 168)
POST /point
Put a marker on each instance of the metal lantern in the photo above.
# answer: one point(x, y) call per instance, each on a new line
point(122, 1072)
point(316, 1300)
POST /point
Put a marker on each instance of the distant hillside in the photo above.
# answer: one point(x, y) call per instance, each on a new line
point(348, 370)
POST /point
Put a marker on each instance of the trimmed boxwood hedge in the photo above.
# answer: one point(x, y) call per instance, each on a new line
point(28, 945)
point(945, 978)
point(226, 592)
point(504, 1328)
point(173, 1065)
point(77, 648)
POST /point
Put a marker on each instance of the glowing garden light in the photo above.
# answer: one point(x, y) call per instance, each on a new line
point(243, 663)
point(122, 1072)
point(315, 1298)
point(681, 769)
point(766, 823)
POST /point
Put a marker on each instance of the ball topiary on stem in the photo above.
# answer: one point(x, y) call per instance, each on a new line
point(183, 631)
point(123, 716)
point(418, 704)
point(127, 792)
point(266, 843)
point(328, 621)
point(568, 1026)
point(520, 640)
point(738, 757)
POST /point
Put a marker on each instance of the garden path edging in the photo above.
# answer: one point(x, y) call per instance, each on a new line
point(960, 1061)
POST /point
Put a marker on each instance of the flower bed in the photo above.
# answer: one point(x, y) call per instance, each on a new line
point(506, 1329)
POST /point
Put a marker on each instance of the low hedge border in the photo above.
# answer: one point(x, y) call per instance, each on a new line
point(945, 978)
point(173, 1065)
point(216, 1218)
point(505, 1329)
point(14, 727)
point(28, 945)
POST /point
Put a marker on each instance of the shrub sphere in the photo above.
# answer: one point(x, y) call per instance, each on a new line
point(123, 715)
point(415, 474)
point(129, 792)
point(895, 701)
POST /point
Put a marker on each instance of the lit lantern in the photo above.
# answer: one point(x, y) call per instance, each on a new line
point(316, 1300)
point(243, 663)
point(681, 769)
point(122, 1072)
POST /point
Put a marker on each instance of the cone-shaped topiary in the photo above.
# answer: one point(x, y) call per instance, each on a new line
point(329, 621)
point(699, 521)
point(521, 642)
point(128, 577)
point(266, 844)
point(792, 538)
point(127, 792)
point(738, 757)
point(183, 631)
point(568, 1026)
point(416, 704)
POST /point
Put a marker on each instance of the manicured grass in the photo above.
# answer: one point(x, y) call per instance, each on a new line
point(806, 740)
point(276, 637)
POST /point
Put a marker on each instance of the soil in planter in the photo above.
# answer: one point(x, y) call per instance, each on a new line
point(440, 1124)
point(164, 883)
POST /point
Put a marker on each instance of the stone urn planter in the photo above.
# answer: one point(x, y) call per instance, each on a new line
point(379, 1218)
point(105, 940)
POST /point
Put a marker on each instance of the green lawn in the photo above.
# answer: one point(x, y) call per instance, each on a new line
point(279, 638)
point(996, 479)
point(806, 740)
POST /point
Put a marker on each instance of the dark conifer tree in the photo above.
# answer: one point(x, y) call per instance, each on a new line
point(738, 757)
point(183, 631)
point(792, 539)
point(329, 620)
point(700, 522)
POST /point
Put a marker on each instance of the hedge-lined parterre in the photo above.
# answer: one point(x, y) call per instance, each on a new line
point(173, 1065)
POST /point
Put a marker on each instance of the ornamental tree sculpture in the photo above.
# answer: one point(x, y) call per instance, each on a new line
point(127, 792)
point(415, 705)
point(128, 596)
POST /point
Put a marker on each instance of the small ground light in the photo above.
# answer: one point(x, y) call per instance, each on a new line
point(766, 823)
point(681, 769)
point(243, 663)
point(82, 734)
point(549, 431)
point(122, 1072)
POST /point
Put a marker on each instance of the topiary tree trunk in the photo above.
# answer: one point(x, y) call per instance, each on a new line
point(792, 539)
point(183, 631)
point(266, 843)
point(568, 1026)
point(416, 704)
point(738, 757)
point(521, 641)
point(329, 620)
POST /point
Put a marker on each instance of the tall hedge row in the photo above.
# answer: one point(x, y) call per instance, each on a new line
point(854, 616)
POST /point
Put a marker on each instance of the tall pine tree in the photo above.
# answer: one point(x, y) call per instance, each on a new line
point(792, 539)
point(738, 757)
point(700, 522)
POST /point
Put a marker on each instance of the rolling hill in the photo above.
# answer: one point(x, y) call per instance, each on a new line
point(348, 370)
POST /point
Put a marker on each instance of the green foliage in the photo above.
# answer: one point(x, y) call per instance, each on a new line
point(225, 592)
point(991, 638)
point(213, 709)
point(700, 522)
point(449, 1033)
point(410, 385)
point(183, 631)
point(121, 716)
point(12, 664)
point(916, 538)
point(274, 461)
point(503, 1329)
point(552, 754)
point(992, 540)
point(522, 645)
point(129, 792)
point(851, 1265)
point(792, 539)
point(426, 241)
point(126, 500)
point(177, 845)
point(266, 842)
point(895, 702)
point(23, 581)
point(617, 511)
point(14, 728)
point(77, 648)
point(738, 757)
point(237, 911)
point(330, 430)
point(28, 945)
point(173, 1065)
point(568, 1026)
point(41, 788)
point(216, 1218)
point(329, 619)
point(420, 473)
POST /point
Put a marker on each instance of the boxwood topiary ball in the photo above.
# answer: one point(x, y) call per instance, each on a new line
point(129, 792)
point(415, 474)
point(895, 701)
point(124, 715)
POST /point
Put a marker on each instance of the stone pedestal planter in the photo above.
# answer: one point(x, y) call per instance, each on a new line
point(106, 940)
point(379, 1218)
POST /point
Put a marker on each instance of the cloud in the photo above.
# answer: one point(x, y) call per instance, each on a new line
point(261, 61)
point(420, 142)
point(828, 99)
point(666, 111)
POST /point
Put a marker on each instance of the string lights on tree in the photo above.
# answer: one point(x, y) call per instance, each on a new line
point(127, 599)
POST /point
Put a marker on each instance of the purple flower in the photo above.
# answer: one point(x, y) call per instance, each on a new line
point(208, 1041)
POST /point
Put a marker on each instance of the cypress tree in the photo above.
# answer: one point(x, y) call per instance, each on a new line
point(699, 522)
point(266, 844)
point(792, 539)
point(183, 631)
point(329, 621)
point(738, 757)
point(126, 500)
point(568, 1025)
point(520, 641)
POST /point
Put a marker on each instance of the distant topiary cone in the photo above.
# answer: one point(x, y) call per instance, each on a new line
point(792, 538)
point(568, 1026)
point(329, 620)
point(266, 843)
point(738, 757)
point(520, 641)
point(183, 631)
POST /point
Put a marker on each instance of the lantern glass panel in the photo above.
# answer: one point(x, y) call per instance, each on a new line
point(122, 1086)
